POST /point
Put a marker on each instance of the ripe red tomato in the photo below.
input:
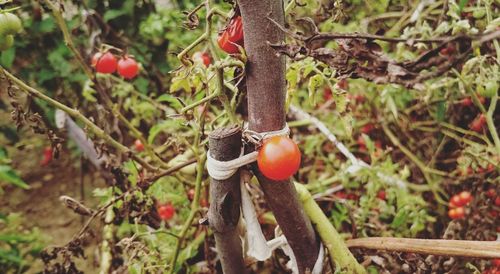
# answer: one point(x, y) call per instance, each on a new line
point(128, 67)
point(381, 195)
point(104, 62)
point(456, 201)
point(466, 102)
point(202, 57)
point(278, 158)
point(491, 193)
point(366, 129)
point(190, 194)
point(478, 123)
point(47, 156)
point(496, 262)
point(233, 34)
point(139, 146)
point(166, 212)
point(497, 201)
point(465, 197)
point(456, 213)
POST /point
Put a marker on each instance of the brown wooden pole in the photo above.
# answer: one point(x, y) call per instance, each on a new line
point(225, 199)
point(266, 87)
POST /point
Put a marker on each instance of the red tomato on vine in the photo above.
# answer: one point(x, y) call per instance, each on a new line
point(166, 212)
point(47, 156)
point(128, 68)
point(278, 158)
point(232, 36)
point(202, 57)
point(104, 62)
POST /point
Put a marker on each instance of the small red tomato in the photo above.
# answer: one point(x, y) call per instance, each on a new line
point(496, 262)
point(190, 194)
point(278, 158)
point(204, 203)
point(497, 201)
point(456, 213)
point(465, 197)
point(327, 93)
point(456, 201)
point(490, 167)
point(166, 212)
point(381, 195)
point(341, 195)
point(359, 98)
point(128, 67)
point(343, 84)
point(478, 123)
point(491, 193)
point(466, 102)
point(104, 62)
point(139, 146)
point(47, 156)
point(352, 196)
point(232, 36)
point(202, 57)
point(366, 129)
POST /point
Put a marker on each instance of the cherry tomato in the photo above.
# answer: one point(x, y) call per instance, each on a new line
point(105, 62)
point(456, 201)
point(47, 156)
point(190, 194)
point(497, 201)
point(491, 193)
point(139, 146)
point(278, 158)
point(232, 35)
point(478, 123)
point(381, 195)
point(343, 84)
point(465, 197)
point(202, 57)
point(166, 212)
point(466, 102)
point(496, 262)
point(456, 213)
point(128, 68)
point(366, 129)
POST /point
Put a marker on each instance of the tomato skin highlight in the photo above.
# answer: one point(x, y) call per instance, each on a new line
point(106, 63)
point(465, 197)
point(232, 36)
point(456, 213)
point(278, 158)
point(128, 68)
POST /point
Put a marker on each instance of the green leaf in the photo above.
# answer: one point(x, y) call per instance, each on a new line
point(7, 174)
point(112, 14)
point(172, 100)
point(462, 4)
point(314, 84)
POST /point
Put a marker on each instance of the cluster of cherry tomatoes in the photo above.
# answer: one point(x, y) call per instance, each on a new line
point(107, 63)
point(457, 203)
point(278, 158)
point(232, 36)
point(10, 24)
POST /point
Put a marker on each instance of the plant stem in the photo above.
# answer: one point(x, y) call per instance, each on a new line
point(337, 249)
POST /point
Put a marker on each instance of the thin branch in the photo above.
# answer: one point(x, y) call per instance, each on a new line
point(474, 249)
